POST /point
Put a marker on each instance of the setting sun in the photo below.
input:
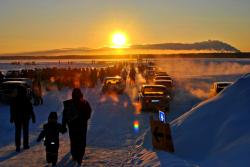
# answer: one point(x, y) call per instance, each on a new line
point(119, 40)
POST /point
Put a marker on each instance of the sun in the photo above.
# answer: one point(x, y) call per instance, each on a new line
point(119, 40)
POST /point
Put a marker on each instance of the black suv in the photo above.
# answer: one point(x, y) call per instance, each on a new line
point(8, 90)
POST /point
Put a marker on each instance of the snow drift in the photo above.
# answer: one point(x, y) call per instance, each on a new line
point(217, 132)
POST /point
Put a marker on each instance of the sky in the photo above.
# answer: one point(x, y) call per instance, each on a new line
point(34, 25)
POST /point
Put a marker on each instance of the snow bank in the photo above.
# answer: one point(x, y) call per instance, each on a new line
point(217, 131)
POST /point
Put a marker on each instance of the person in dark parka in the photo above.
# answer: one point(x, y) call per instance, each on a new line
point(21, 110)
point(76, 114)
point(50, 133)
point(1, 76)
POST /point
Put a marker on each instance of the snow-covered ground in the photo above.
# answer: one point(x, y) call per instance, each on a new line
point(213, 133)
point(217, 131)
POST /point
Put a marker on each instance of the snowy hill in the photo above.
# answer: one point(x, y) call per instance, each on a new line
point(217, 131)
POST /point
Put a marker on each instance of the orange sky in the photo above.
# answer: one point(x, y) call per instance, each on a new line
point(43, 25)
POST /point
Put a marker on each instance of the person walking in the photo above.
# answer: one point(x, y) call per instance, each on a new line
point(50, 133)
point(21, 110)
point(1, 76)
point(76, 114)
point(37, 92)
point(132, 75)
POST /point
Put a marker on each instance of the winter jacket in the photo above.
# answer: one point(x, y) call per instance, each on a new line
point(51, 132)
point(76, 112)
point(21, 110)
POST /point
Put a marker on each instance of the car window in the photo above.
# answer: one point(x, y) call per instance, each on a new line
point(167, 84)
point(154, 91)
point(223, 85)
point(163, 78)
point(113, 81)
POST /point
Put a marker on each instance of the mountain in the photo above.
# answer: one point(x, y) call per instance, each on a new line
point(213, 45)
point(164, 48)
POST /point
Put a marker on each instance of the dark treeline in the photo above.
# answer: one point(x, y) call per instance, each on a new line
point(133, 56)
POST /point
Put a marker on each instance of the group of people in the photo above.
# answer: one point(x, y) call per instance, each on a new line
point(75, 77)
point(72, 77)
point(76, 113)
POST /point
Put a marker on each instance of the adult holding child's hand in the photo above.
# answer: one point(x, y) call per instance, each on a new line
point(76, 114)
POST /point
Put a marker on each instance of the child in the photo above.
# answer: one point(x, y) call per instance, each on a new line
point(51, 134)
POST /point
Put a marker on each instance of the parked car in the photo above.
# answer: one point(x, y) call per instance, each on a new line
point(8, 90)
point(13, 74)
point(113, 84)
point(27, 80)
point(154, 98)
point(165, 77)
point(149, 75)
point(161, 73)
point(217, 87)
point(151, 68)
point(167, 83)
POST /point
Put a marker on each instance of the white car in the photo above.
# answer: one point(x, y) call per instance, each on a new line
point(113, 84)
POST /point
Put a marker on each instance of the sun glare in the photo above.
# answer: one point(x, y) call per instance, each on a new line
point(119, 40)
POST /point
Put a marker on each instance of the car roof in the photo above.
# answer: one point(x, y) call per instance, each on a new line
point(157, 86)
point(150, 70)
point(14, 71)
point(161, 73)
point(117, 77)
point(163, 80)
point(14, 82)
point(162, 76)
point(17, 79)
point(218, 83)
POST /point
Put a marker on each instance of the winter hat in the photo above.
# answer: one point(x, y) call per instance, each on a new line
point(53, 116)
point(77, 94)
